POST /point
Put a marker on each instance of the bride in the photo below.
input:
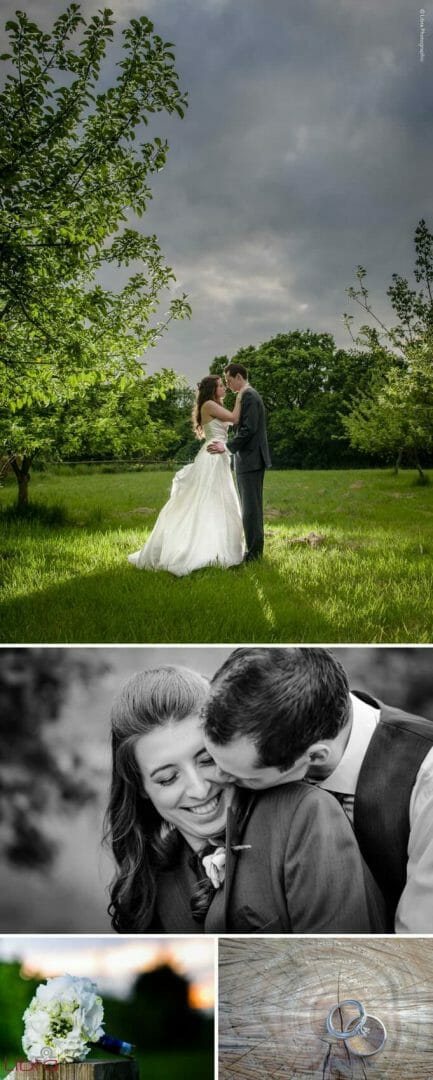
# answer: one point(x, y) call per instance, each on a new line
point(201, 523)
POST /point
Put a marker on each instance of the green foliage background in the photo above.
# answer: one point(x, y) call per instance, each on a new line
point(307, 384)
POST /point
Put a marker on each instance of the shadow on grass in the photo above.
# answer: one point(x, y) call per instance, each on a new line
point(96, 519)
point(126, 605)
point(35, 513)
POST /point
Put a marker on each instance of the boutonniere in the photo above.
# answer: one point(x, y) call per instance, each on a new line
point(215, 863)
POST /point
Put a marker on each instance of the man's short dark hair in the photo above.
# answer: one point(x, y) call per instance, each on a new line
point(234, 369)
point(283, 699)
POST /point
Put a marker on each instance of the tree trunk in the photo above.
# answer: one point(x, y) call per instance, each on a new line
point(275, 995)
point(22, 473)
point(422, 476)
point(398, 461)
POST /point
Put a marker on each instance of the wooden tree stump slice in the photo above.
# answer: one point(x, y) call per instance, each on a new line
point(275, 995)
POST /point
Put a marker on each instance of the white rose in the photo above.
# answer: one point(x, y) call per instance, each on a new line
point(215, 866)
point(37, 1023)
point(60, 987)
point(91, 1011)
point(71, 1047)
point(65, 988)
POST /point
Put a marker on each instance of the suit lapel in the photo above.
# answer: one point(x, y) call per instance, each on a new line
point(237, 818)
point(176, 886)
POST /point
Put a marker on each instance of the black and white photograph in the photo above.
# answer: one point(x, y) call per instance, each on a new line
point(204, 790)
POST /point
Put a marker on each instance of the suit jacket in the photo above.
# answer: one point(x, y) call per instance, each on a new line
point(174, 890)
point(249, 444)
point(302, 873)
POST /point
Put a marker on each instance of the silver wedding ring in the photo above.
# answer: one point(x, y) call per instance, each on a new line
point(365, 1030)
point(354, 1029)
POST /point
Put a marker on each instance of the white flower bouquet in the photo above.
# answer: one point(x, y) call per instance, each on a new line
point(63, 1020)
point(65, 1015)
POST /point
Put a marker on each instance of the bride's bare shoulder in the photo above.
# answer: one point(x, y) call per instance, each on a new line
point(210, 407)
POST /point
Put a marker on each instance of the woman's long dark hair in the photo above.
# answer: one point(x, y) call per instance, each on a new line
point(206, 391)
point(142, 842)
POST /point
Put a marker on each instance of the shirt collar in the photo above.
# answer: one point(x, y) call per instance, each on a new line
point(345, 777)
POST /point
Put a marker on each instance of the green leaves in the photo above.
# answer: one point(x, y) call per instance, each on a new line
point(306, 384)
point(396, 414)
point(73, 173)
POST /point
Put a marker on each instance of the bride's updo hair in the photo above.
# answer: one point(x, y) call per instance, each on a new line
point(143, 843)
point(206, 391)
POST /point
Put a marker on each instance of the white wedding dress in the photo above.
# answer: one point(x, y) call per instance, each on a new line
point(201, 523)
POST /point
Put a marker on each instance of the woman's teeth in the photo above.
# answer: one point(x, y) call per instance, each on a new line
point(205, 808)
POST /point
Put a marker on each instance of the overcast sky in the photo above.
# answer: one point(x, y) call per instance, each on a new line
point(306, 150)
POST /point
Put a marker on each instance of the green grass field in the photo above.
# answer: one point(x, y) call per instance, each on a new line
point(368, 580)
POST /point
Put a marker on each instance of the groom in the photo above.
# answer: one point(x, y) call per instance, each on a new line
point(251, 452)
point(283, 714)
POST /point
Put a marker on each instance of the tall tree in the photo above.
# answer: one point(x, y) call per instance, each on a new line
point(159, 1002)
point(395, 415)
point(73, 169)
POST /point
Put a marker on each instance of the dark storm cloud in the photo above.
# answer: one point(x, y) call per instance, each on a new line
point(306, 150)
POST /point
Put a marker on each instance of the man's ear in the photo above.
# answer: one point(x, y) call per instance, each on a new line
point(319, 753)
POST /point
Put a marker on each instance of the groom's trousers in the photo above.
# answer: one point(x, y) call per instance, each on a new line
point(250, 486)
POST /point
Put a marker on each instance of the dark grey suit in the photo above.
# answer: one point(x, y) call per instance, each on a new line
point(299, 872)
point(251, 452)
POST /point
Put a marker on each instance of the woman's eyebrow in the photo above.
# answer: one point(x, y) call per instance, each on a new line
point(160, 768)
point(174, 765)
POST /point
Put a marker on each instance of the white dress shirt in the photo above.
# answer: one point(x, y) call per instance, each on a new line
point(415, 907)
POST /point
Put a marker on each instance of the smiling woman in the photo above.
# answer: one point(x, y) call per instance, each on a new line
point(163, 794)
point(175, 767)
